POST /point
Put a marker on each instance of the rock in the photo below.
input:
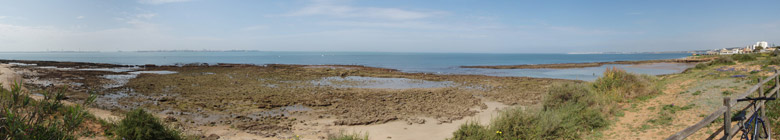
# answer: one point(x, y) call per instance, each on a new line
point(165, 99)
point(212, 137)
point(170, 119)
point(411, 121)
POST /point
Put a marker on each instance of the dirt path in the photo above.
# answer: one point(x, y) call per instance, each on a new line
point(630, 126)
point(701, 95)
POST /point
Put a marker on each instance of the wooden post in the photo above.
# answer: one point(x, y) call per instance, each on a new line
point(777, 83)
point(760, 88)
point(761, 94)
point(727, 118)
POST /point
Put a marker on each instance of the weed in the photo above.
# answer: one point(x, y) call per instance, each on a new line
point(698, 92)
point(353, 136)
point(723, 60)
point(744, 57)
point(140, 125)
point(727, 92)
point(665, 116)
point(567, 111)
point(621, 85)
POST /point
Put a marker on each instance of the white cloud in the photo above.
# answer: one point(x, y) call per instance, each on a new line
point(80, 17)
point(158, 2)
point(402, 24)
point(346, 11)
point(32, 38)
point(146, 16)
point(256, 27)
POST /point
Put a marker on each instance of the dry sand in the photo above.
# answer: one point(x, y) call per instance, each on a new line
point(400, 129)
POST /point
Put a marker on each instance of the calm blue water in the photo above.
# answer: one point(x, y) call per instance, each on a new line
point(440, 63)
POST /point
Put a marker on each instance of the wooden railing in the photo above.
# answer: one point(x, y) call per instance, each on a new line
point(725, 111)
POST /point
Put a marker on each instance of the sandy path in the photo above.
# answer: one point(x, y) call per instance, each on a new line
point(629, 126)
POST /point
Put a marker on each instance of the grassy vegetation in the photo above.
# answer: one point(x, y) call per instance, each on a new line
point(745, 57)
point(723, 60)
point(667, 112)
point(140, 125)
point(774, 60)
point(773, 116)
point(621, 85)
point(22, 117)
point(567, 112)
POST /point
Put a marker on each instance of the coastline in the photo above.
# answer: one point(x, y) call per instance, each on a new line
point(226, 104)
point(225, 99)
point(585, 65)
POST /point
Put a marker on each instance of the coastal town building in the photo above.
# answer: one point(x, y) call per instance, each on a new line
point(763, 46)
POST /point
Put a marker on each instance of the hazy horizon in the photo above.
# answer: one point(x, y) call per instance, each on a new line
point(386, 26)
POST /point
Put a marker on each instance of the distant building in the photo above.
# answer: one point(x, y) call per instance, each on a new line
point(762, 44)
point(725, 51)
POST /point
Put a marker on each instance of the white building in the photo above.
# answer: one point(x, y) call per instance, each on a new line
point(762, 44)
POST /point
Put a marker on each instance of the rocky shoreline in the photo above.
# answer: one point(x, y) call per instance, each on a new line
point(279, 101)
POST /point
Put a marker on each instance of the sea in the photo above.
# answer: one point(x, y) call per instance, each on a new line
point(434, 63)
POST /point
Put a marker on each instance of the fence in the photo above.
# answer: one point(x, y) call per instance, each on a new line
point(725, 111)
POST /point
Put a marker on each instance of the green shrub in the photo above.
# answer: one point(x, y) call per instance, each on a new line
point(744, 57)
point(723, 60)
point(21, 117)
point(702, 65)
point(567, 122)
point(568, 111)
point(140, 125)
point(773, 60)
point(560, 94)
point(621, 85)
point(473, 131)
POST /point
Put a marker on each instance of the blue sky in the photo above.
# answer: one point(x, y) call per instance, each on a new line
point(511, 26)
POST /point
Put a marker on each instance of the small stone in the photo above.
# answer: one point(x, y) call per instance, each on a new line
point(170, 119)
point(212, 137)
